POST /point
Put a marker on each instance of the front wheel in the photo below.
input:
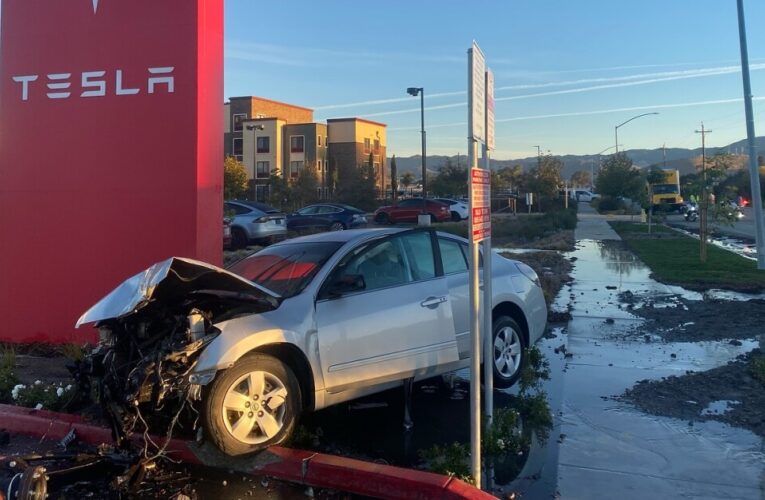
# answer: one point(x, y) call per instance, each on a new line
point(382, 218)
point(252, 405)
point(456, 217)
point(509, 351)
point(337, 226)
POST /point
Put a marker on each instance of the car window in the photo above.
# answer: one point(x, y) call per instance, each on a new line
point(409, 203)
point(452, 256)
point(238, 209)
point(287, 268)
point(308, 210)
point(381, 265)
point(419, 252)
point(326, 209)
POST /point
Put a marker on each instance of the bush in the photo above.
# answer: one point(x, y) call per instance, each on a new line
point(43, 395)
point(7, 376)
point(608, 204)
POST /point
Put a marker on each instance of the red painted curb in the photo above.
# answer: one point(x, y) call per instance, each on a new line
point(315, 469)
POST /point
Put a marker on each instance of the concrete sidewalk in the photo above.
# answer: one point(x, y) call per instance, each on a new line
point(609, 449)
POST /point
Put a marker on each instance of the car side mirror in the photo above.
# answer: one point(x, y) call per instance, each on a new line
point(346, 283)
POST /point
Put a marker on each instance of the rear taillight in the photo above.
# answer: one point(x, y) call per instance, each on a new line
point(260, 220)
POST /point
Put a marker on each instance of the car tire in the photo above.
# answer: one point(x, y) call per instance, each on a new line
point(509, 351)
point(382, 218)
point(337, 226)
point(238, 238)
point(433, 219)
point(260, 383)
point(456, 217)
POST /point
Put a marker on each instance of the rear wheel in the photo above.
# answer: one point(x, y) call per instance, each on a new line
point(337, 226)
point(252, 405)
point(433, 219)
point(509, 351)
point(238, 238)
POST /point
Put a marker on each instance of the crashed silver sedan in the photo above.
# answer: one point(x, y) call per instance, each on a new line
point(299, 326)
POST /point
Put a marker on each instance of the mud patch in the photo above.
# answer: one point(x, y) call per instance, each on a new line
point(676, 319)
point(734, 394)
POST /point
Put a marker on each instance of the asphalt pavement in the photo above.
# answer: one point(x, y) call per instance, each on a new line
point(743, 228)
point(608, 448)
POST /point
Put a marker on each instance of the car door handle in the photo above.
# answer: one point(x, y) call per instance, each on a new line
point(432, 302)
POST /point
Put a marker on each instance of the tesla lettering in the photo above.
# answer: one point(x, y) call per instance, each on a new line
point(93, 83)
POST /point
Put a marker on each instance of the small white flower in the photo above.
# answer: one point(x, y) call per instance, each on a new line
point(501, 444)
point(38, 382)
point(60, 391)
point(39, 406)
point(16, 389)
point(69, 387)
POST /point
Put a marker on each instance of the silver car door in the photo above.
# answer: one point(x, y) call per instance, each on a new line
point(454, 258)
point(398, 325)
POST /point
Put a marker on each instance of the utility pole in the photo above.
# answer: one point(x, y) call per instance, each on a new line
point(754, 172)
point(664, 154)
point(704, 196)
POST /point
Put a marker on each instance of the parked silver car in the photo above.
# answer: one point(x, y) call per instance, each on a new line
point(253, 221)
point(301, 325)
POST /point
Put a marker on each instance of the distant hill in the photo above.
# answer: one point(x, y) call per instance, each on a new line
point(679, 158)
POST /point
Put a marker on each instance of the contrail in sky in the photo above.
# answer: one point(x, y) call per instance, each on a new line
point(592, 112)
point(682, 76)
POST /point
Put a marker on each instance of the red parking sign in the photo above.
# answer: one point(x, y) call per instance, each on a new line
point(480, 203)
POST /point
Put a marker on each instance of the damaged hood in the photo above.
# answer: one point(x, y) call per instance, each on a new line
point(175, 277)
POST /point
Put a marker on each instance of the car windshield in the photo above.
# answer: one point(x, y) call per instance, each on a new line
point(665, 189)
point(286, 269)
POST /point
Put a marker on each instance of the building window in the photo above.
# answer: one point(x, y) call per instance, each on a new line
point(238, 119)
point(318, 165)
point(318, 140)
point(262, 169)
point(377, 145)
point(237, 148)
point(297, 144)
point(295, 168)
point(367, 143)
point(261, 192)
point(264, 144)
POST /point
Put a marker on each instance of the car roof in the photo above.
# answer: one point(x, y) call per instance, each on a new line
point(344, 236)
point(254, 204)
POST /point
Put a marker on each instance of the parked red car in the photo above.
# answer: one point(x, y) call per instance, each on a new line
point(408, 210)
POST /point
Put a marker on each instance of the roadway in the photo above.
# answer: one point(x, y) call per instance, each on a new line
point(743, 228)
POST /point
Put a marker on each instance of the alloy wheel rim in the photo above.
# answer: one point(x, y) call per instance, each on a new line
point(507, 351)
point(254, 406)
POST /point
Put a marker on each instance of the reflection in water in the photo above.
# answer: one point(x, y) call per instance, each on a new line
point(619, 259)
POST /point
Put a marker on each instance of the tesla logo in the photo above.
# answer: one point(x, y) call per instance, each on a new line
point(95, 6)
point(93, 83)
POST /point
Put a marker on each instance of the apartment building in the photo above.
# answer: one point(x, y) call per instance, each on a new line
point(269, 136)
point(351, 140)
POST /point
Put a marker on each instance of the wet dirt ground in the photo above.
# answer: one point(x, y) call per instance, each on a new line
point(171, 481)
point(612, 447)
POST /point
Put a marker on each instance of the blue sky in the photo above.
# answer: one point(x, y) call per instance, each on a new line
point(566, 72)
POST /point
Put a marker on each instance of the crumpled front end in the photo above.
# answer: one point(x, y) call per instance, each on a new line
point(152, 329)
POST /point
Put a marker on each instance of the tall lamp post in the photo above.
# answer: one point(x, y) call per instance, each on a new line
point(616, 128)
point(414, 91)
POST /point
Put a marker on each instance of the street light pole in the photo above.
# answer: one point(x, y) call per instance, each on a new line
point(616, 128)
point(414, 91)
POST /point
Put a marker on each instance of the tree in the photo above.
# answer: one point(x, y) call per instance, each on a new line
point(393, 178)
point(357, 185)
point(407, 179)
point(581, 178)
point(303, 190)
point(507, 178)
point(279, 190)
point(544, 179)
point(450, 181)
point(655, 175)
point(618, 178)
point(235, 183)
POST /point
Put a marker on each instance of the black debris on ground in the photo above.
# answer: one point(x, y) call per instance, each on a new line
point(741, 383)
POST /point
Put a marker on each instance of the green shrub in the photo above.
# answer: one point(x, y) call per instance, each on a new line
point(7, 376)
point(42, 395)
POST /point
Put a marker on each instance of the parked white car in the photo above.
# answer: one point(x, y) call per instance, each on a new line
point(458, 209)
point(583, 195)
point(299, 326)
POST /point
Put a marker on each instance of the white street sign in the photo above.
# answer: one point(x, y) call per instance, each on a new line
point(489, 110)
point(476, 92)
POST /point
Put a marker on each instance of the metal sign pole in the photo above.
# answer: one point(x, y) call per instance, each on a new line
point(488, 305)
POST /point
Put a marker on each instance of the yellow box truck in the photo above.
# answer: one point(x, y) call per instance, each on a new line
point(668, 190)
